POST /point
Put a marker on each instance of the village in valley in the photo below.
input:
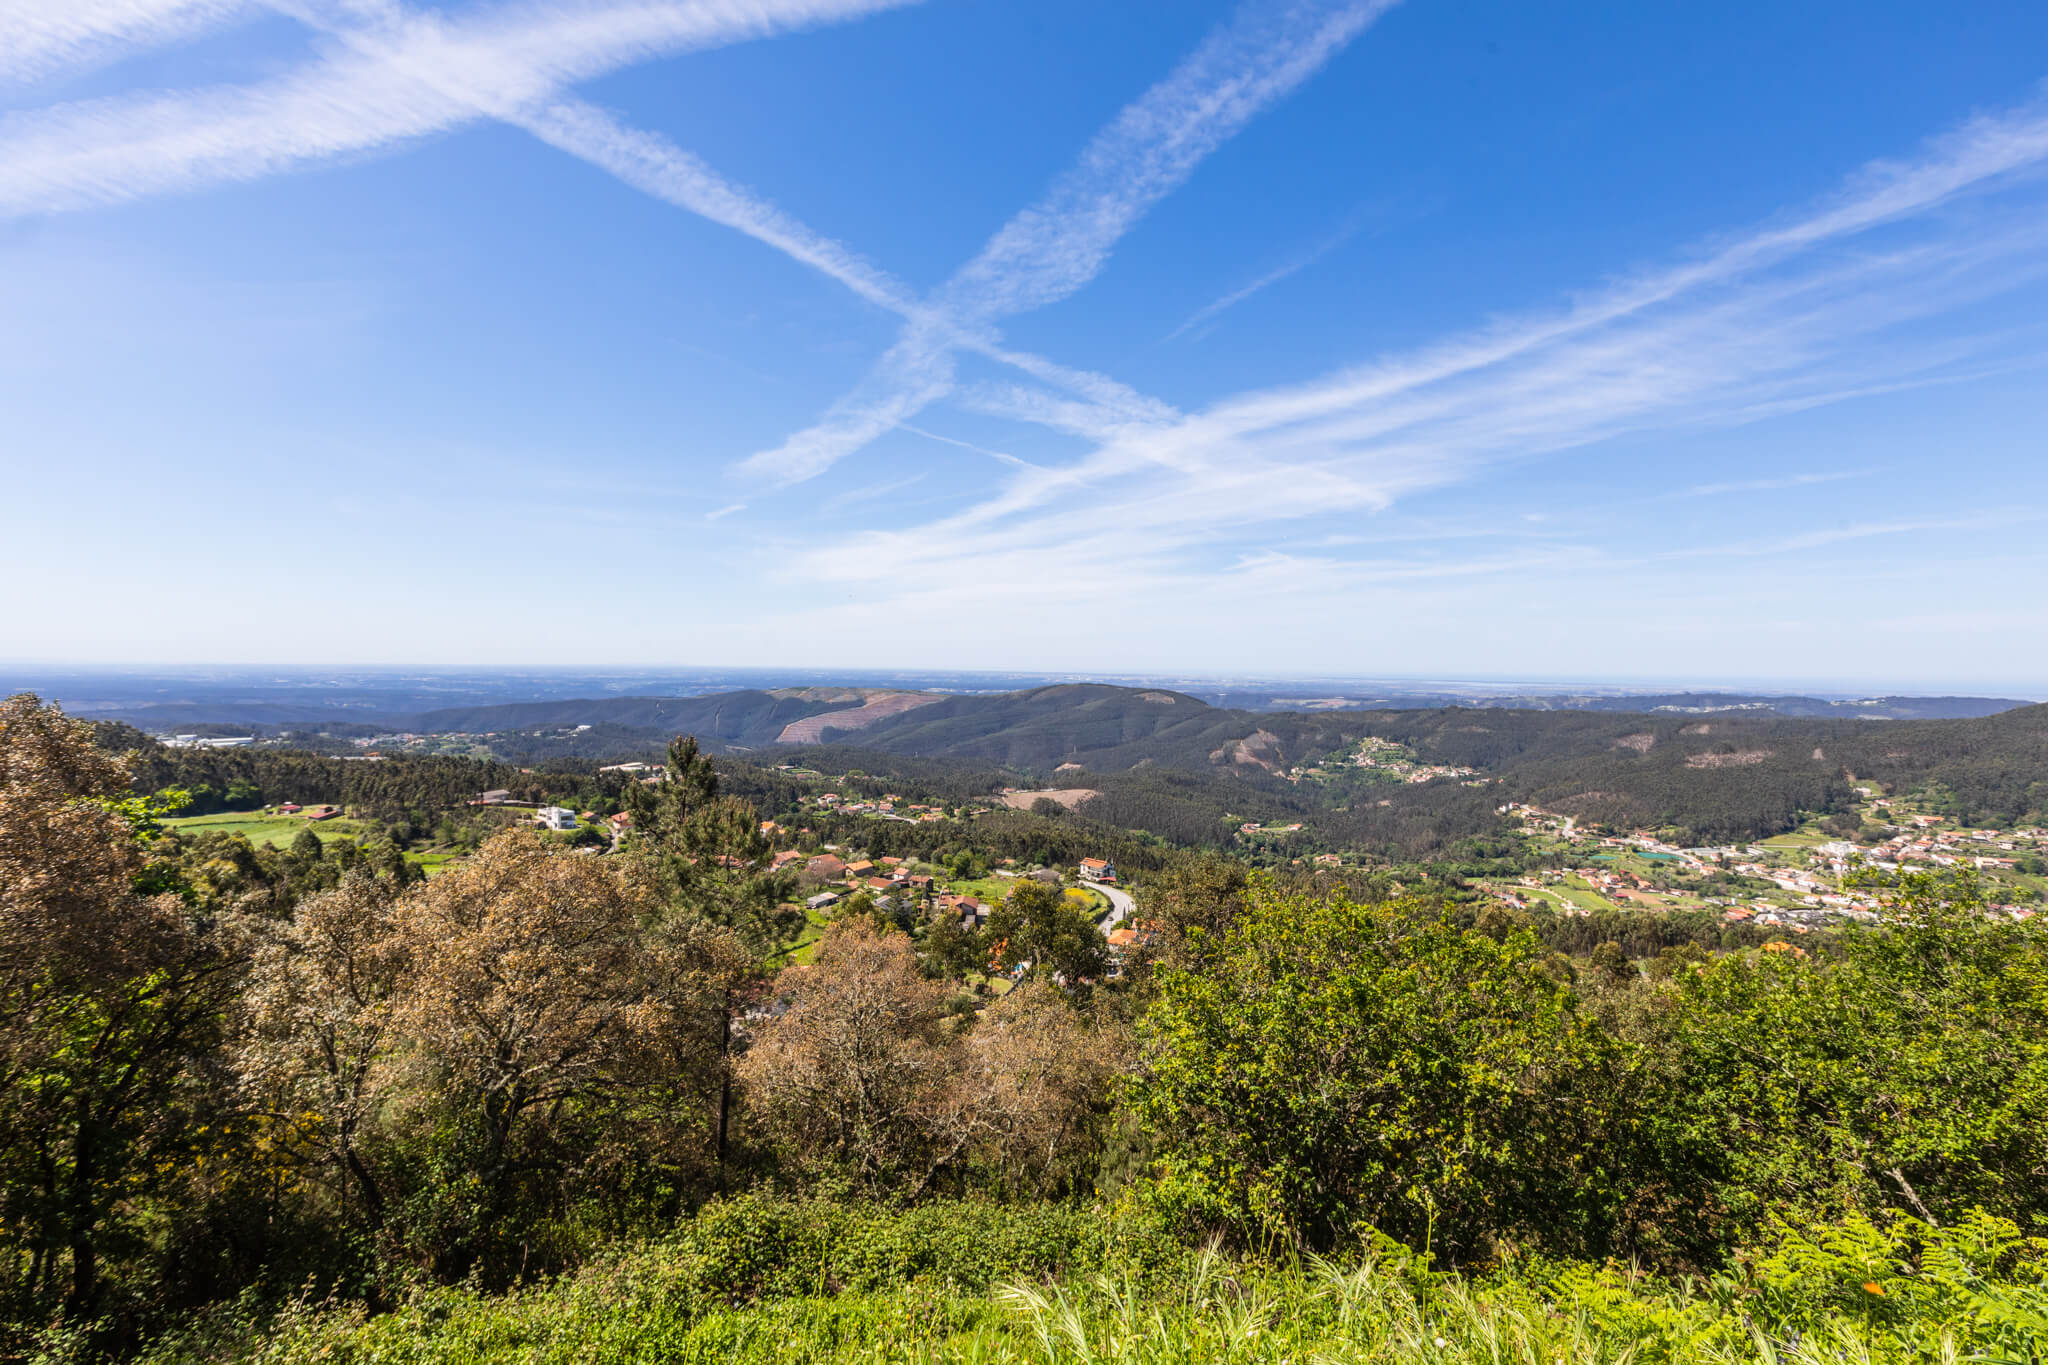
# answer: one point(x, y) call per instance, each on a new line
point(1825, 871)
point(839, 878)
point(1799, 881)
point(1388, 761)
point(1796, 882)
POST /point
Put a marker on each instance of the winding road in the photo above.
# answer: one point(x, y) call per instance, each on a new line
point(1120, 904)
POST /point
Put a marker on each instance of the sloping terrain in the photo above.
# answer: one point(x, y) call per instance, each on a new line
point(726, 717)
point(1100, 726)
point(812, 729)
point(1721, 773)
point(1729, 776)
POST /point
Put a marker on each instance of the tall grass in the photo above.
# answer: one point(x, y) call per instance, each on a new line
point(1849, 1295)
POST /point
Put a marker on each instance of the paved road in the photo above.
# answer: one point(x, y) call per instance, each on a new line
point(1120, 904)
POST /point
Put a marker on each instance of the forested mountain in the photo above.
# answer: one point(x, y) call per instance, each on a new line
point(725, 717)
point(1740, 775)
point(1043, 727)
point(1986, 771)
point(1720, 777)
point(1338, 696)
point(1171, 763)
point(1868, 708)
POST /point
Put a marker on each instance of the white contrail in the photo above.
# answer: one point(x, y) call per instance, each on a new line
point(396, 75)
point(369, 95)
point(1234, 297)
point(39, 38)
point(1062, 241)
point(657, 167)
point(1783, 318)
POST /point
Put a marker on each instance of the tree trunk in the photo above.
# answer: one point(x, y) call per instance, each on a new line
point(373, 1198)
point(80, 1222)
point(724, 1087)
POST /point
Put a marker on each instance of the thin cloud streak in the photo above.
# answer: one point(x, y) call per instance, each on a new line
point(1837, 535)
point(1060, 243)
point(1003, 456)
point(1801, 313)
point(657, 167)
point(413, 77)
point(1272, 277)
point(42, 38)
point(397, 75)
point(1711, 490)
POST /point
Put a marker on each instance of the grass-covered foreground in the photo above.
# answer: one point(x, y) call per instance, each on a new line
point(756, 1280)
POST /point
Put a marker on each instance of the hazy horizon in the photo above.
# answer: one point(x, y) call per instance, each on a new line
point(708, 677)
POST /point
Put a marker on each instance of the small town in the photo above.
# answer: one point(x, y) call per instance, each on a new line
point(1800, 881)
point(1386, 760)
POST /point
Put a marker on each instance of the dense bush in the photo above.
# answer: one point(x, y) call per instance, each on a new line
point(1313, 1066)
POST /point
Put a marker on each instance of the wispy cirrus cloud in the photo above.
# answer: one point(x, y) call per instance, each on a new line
point(39, 38)
point(395, 74)
point(392, 75)
point(410, 77)
point(1804, 311)
point(1062, 241)
point(1713, 490)
point(1823, 537)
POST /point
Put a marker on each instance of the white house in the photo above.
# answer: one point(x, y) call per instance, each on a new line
point(1098, 870)
point(556, 817)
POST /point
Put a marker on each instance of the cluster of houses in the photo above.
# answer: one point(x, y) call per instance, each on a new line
point(206, 741)
point(647, 774)
point(1811, 881)
point(1385, 756)
point(888, 807)
point(884, 879)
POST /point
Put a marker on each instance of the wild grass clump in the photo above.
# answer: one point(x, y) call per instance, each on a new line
point(1850, 1294)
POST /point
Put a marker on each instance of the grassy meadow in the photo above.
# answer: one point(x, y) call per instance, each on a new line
point(278, 831)
point(261, 828)
point(960, 1284)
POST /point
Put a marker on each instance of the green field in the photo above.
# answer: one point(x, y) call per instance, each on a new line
point(1804, 837)
point(805, 947)
point(1580, 896)
point(258, 828)
point(434, 862)
point(992, 890)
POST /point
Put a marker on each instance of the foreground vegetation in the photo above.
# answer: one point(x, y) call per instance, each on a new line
point(564, 1102)
point(748, 1282)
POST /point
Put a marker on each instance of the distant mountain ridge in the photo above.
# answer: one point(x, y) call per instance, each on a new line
point(1701, 703)
point(1725, 766)
point(736, 717)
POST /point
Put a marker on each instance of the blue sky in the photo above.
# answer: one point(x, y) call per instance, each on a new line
point(1465, 339)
